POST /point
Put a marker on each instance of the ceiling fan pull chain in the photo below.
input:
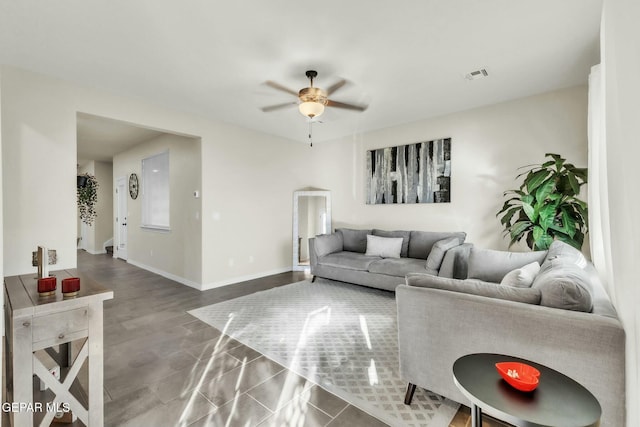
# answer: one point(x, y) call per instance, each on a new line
point(310, 134)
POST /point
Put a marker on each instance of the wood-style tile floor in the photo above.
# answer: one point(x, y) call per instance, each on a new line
point(164, 367)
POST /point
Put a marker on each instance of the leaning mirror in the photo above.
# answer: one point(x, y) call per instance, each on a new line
point(311, 216)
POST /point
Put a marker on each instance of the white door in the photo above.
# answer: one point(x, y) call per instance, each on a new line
point(84, 232)
point(120, 248)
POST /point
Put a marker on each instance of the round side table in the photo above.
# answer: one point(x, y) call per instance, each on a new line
point(557, 401)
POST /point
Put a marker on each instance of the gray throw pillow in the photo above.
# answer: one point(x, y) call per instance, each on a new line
point(438, 251)
point(564, 285)
point(354, 240)
point(491, 266)
point(384, 247)
point(405, 238)
point(326, 244)
point(522, 277)
point(475, 287)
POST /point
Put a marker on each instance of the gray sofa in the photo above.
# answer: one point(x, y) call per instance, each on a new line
point(564, 320)
point(343, 256)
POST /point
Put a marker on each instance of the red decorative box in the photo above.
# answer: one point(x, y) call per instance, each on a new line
point(47, 286)
point(70, 286)
point(519, 375)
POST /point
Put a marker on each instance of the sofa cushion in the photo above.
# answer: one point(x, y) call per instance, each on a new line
point(399, 267)
point(564, 284)
point(438, 251)
point(405, 238)
point(348, 260)
point(491, 266)
point(384, 247)
point(421, 242)
point(326, 244)
point(475, 287)
point(354, 240)
point(560, 249)
point(521, 277)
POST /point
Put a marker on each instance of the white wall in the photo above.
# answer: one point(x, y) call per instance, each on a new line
point(248, 178)
point(488, 145)
point(39, 163)
point(176, 253)
point(621, 68)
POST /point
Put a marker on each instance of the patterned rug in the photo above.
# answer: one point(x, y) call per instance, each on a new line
point(342, 337)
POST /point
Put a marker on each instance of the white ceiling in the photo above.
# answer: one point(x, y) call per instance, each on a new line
point(406, 59)
point(101, 139)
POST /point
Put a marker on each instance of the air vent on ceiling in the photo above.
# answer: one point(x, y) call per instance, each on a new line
point(477, 74)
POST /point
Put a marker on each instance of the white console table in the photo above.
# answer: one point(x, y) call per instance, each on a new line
point(51, 324)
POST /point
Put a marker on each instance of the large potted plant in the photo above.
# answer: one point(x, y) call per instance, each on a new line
point(87, 198)
point(546, 206)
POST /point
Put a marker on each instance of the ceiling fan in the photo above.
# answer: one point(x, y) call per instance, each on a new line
point(312, 100)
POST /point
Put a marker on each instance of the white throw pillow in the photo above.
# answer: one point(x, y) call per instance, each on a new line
point(521, 277)
point(385, 247)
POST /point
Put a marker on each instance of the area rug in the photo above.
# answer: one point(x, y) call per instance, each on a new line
point(342, 337)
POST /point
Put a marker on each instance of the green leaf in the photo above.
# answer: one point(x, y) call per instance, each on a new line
point(530, 242)
point(530, 211)
point(559, 161)
point(547, 215)
point(569, 223)
point(573, 182)
point(527, 198)
point(507, 205)
point(506, 219)
point(538, 232)
point(534, 180)
point(545, 189)
point(543, 242)
point(581, 173)
point(517, 229)
point(548, 163)
point(564, 186)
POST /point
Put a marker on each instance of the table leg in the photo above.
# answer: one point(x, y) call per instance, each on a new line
point(476, 416)
point(22, 369)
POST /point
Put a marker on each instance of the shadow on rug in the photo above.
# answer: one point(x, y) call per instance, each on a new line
point(342, 337)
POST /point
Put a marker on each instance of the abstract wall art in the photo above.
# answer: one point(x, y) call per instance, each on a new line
point(412, 173)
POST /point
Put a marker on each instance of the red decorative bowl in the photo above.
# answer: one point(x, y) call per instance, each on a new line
point(519, 375)
point(70, 286)
point(47, 286)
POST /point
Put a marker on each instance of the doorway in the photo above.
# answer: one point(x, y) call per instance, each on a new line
point(120, 247)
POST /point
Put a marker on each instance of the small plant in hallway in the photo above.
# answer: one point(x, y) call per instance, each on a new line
point(547, 207)
point(87, 199)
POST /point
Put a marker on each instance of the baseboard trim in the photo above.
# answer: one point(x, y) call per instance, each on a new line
point(207, 286)
point(163, 273)
point(89, 251)
point(226, 282)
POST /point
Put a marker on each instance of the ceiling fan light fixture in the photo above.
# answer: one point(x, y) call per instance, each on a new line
point(311, 109)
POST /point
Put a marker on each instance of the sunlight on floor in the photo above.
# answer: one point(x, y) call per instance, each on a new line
point(365, 330)
point(210, 363)
point(373, 373)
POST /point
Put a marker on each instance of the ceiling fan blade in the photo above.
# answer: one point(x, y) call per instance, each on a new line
point(336, 86)
point(337, 104)
point(278, 106)
point(278, 86)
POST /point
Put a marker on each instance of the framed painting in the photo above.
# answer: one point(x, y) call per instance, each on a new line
point(412, 173)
